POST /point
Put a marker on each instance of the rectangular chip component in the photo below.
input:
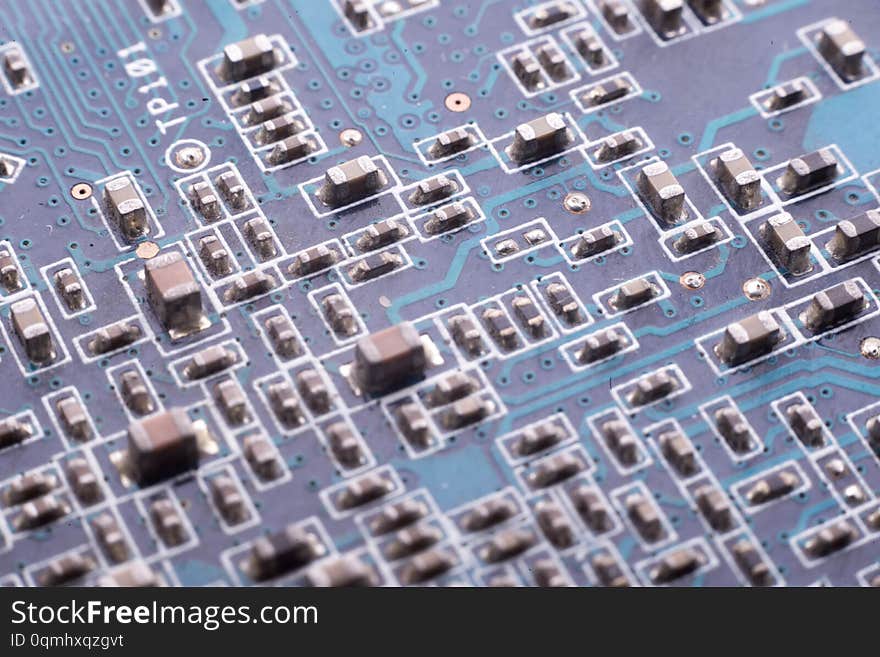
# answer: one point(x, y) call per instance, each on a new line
point(126, 208)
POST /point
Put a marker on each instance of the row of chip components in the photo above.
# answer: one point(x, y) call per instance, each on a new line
point(249, 63)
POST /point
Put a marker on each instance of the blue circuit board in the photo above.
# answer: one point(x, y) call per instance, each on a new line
point(437, 292)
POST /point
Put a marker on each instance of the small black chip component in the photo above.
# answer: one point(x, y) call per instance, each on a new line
point(679, 451)
point(232, 190)
point(339, 315)
point(789, 245)
point(676, 564)
point(601, 344)
point(382, 233)
point(204, 200)
point(617, 14)
point(313, 260)
point(208, 361)
point(65, 569)
point(715, 507)
point(467, 411)
point(83, 481)
point(344, 445)
point(772, 487)
point(109, 536)
point(531, 319)
point(32, 330)
point(808, 172)
point(538, 438)
point(250, 91)
point(831, 539)
point(540, 138)
point(552, 14)
point(595, 241)
point(738, 179)
point(786, 95)
point(856, 235)
point(167, 522)
point(451, 388)
point(842, 49)
point(228, 499)
point(162, 446)
point(282, 552)
point(73, 418)
point(621, 441)
point(40, 512)
point(356, 11)
point(645, 517)
point(247, 58)
point(660, 189)
point(344, 570)
point(28, 487)
point(16, 69)
point(285, 404)
point(835, 306)
point(526, 69)
point(554, 62)
point(466, 334)
point(554, 524)
point(261, 456)
point(411, 540)
point(433, 190)
point(591, 508)
point(507, 544)
point(314, 391)
point(363, 490)
point(590, 47)
point(618, 146)
point(563, 303)
point(807, 426)
point(708, 11)
point(214, 256)
point(374, 266)
point(733, 428)
point(413, 424)
point(282, 335)
point(10, 277)
point(14, 431)
point(749, 338)
point(249, 285)
point(751, 563)
point(697, 237)
point(113, 337)
point(126, 208)
point(292, 148)
point(451, 142)
point(665, 16)
point(555, 469)
point(636, 292)
point(397, 515)
point(608, 570)
point(351, 181)
point(602, 94)
point(653, 387)
point(260, 236)
point(501, 329)
point(231, 402)
point(427, 565)
point(173, 292)
point(279, 128)
point(387, 359)
point(488, 513)
point(70, 289)
point(264, 110)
